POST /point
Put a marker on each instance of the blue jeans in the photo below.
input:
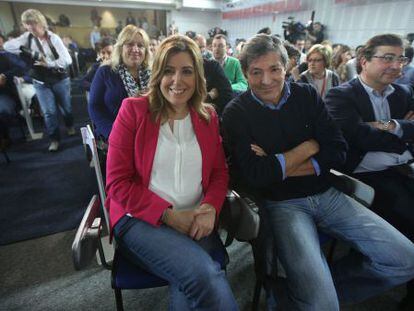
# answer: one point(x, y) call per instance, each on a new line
point(381, 257)
point(49, 96)
point(196, 281)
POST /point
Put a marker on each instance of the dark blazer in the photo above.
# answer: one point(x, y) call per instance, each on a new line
point(105, 98)
point(351, 107)
point(216, 78)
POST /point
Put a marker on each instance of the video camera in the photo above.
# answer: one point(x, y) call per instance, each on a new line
point(30, 54)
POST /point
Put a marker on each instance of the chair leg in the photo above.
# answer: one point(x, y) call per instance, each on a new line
point(118, 299)
point(256, 296)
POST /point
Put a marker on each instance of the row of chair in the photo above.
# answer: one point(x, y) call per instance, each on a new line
point(89, 239)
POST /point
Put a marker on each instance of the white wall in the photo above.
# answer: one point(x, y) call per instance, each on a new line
point(195, 20)
point(350, 24)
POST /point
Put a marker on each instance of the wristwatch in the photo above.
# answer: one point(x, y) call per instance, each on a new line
point(385, 124)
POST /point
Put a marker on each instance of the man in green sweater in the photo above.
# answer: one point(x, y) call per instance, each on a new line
point(231, 65)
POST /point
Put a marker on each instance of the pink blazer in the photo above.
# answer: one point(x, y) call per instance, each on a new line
point(132, 145)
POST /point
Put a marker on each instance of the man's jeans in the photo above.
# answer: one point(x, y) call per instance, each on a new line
point(381, 257)
point(196, 281)
point(49, 96)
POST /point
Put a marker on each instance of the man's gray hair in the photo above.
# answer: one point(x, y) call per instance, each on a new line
point(260, 45)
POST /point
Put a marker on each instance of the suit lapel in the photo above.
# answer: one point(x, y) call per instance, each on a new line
point(363, 101)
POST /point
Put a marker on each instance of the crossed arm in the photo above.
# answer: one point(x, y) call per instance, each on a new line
point(298, 159)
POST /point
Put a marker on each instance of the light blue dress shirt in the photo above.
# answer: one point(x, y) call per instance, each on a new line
point(378, 160)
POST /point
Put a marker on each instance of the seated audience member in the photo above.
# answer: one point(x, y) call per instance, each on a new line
point(163, 218)
point(50, 60)
point(351, 65)
point(282, 143)
point(202, 44)
point(408, 69)
point(219, 92)
point(126, 75)
point(299, 44)
point(104, 50)
point(292, 67)
point(230, 65)
point(239, 47)
point(377, 119)
point(318, 74)
point(339, 61)
point(153, 46)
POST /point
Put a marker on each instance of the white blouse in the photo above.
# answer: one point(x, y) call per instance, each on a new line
point(176, 170)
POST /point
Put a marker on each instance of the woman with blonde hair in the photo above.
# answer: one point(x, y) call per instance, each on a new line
point(125, 75)
point(167, 179)
point(318, 74)
point(49, 58)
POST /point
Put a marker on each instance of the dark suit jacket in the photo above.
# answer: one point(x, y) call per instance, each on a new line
point(215, 78)
point(350, 105)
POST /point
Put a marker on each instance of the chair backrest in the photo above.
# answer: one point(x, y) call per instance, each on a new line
point(25, 101)
point(355, 188)
point(89, 140)
point(87, 236)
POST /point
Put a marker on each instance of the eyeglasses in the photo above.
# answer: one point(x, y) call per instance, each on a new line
point(315, 60)
point(389, 59)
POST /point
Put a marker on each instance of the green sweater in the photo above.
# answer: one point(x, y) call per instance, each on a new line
point(234, 73)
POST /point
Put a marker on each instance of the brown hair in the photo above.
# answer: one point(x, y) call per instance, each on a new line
point(370, 48)
point(158, 105)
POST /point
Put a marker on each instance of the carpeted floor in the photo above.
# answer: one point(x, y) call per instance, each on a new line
point(38, 275)
point(41, 192)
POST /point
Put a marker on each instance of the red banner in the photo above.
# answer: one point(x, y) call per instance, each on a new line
point(264, 9)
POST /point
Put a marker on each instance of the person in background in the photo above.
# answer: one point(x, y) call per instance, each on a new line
point(316, 33)
point(153, 45)
point(407, 76)
point(95, 36)
point(318, 74)
point(118, 28)
point(11, 66)
point(351, 65)
point(339, 61)
point(130, 20)
point(230, 65)
point(125, 75)
point(292, 67)
point(104, 50)
point(162, 218)
point(202, 44)
point(51, 81)
point(300, 46)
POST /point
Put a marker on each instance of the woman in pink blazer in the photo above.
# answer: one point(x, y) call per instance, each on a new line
point(167, 179)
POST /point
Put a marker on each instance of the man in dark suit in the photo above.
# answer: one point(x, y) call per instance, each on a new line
point(377, 120)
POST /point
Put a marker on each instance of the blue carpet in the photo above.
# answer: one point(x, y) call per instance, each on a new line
point(43, 193)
